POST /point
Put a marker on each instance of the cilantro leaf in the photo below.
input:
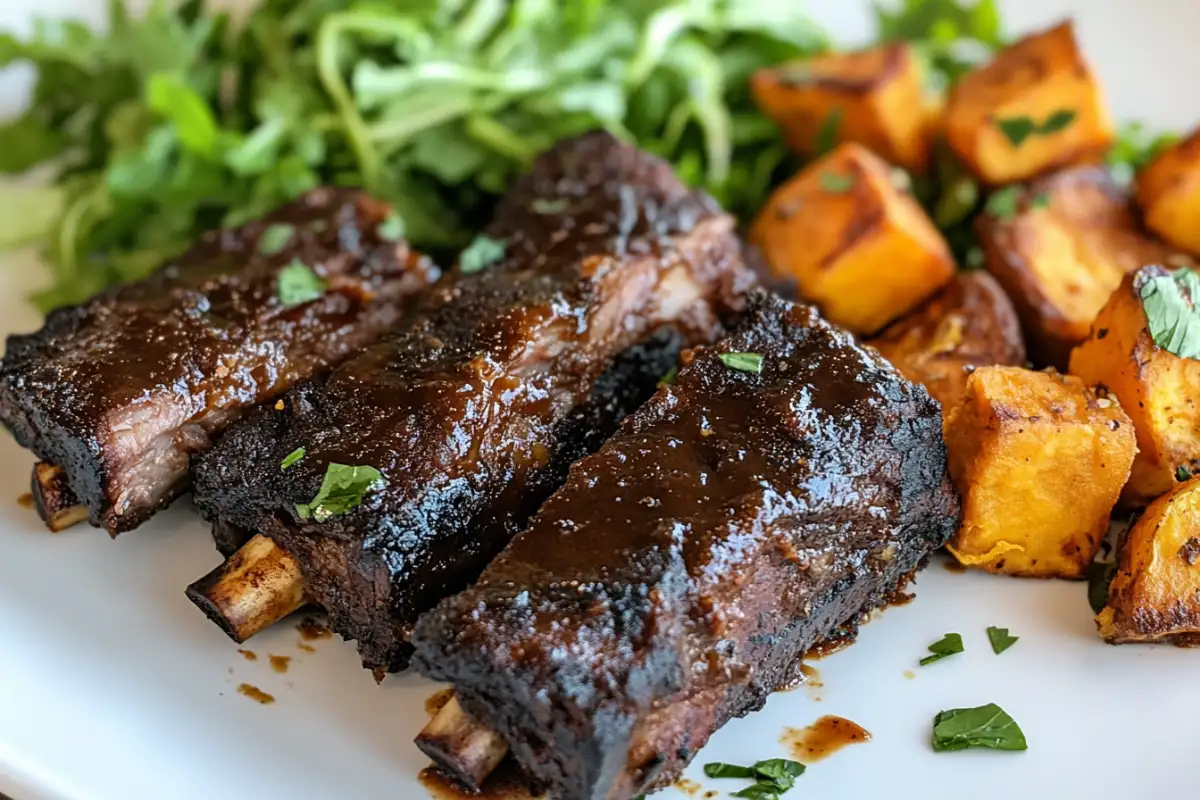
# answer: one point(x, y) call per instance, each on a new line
point(743, 362)
point(1000, 639)
point(986, 726)
point(297, 284)
point(481, 254)
point(1169, 301)
point(291, 458)
point(948, 645)
point(342, 490)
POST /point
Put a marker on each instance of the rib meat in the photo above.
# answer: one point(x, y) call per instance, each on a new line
point(121, 390)
point(683, 570)
point(475, 412)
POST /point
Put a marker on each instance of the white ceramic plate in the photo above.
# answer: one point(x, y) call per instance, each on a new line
point(113, 686)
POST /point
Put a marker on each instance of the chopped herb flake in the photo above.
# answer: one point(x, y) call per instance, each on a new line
point(1003, 203)
point(986, 726)
point(743, 362)
point(1000, 639)
point(1040, 200)
point(275, 238)
point(391, 229)
point(291, 458)
point(1018, 129)
point(834, 183)
point(481, 254)
point(544, 205)
point(1170, 305)
point(780, 771)
point(342, 490)
point(669, 378)
point(948, 645)
point(827, 136)
point(1100, 577)
point(1182, 474)
point(298, 284)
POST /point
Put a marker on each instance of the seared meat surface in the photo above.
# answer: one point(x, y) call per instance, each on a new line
point(681, 573)
point(475, 412)
point(122, 390)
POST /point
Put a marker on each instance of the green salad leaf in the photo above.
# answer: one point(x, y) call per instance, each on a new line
point(986, 726)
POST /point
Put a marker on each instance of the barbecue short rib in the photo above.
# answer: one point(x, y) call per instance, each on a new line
point(683, 570)
point(474, 414)
point(122, 390)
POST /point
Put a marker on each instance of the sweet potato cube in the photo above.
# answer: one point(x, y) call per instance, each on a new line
point(1035, 107)
point(1155, 594)
point(969, 324)
point(851, 242)
point(875, 97)
point(1159, 388)
point(1039, 459)
point(1060, 247)
point(1168, 190)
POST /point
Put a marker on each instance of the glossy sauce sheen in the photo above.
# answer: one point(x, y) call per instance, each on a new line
point(683, 571)
point(474, 412)
point(823, 738)
point(121, 390)
point(506, 783)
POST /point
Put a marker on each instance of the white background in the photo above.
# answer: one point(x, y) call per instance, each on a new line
point(113, 687)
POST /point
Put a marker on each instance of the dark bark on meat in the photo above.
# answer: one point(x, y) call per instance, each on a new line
point(121, 390)
point(683, 570)
point(475, 413)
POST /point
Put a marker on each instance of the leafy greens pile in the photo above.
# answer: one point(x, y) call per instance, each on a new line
point(184, 119)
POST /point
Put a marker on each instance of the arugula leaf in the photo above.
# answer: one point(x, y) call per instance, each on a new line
point(986, 726)
point(342, 490)
point(481, 254)
point(297, 284)
point(275, 238)
point(835, 183)
point(1000, 639)
point(948, 645)
point(1171, 316)
point(292, 458)
point(743, 362)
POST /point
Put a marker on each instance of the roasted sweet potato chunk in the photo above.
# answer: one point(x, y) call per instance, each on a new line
point(1157, 386)
point(1155, 594)
point(851, 242)
point(1035, 107)
point(1060, 248)
point(1039, 459)
point(875, 97)
point(1168, 190)
point(971, 323)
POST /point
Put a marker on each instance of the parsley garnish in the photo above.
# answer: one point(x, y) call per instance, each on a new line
point(298, 284)
point(986, 726)
point(481, 254)
point(391, 229)
point(669, 378)
point(1003, 203)
point(1182, 473)
point(948, 645)
point(342, 489)
point(828, 133)
point(743, 362)
point(772, 777)
point(834, 183)
point(275, 238)
point(291, 458)
point(1170, 305)
point(544, 205)
point(1018, 129)
point(1100, 577)
point(1000, 639)
point(1040, 200)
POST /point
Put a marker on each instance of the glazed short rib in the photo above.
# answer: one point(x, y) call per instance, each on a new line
point(603, 265)
point(786, 484)
point(119, 392)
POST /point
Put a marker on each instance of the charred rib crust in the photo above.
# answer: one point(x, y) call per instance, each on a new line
point(475, 412)
point(118, 391)
point(683, 570)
